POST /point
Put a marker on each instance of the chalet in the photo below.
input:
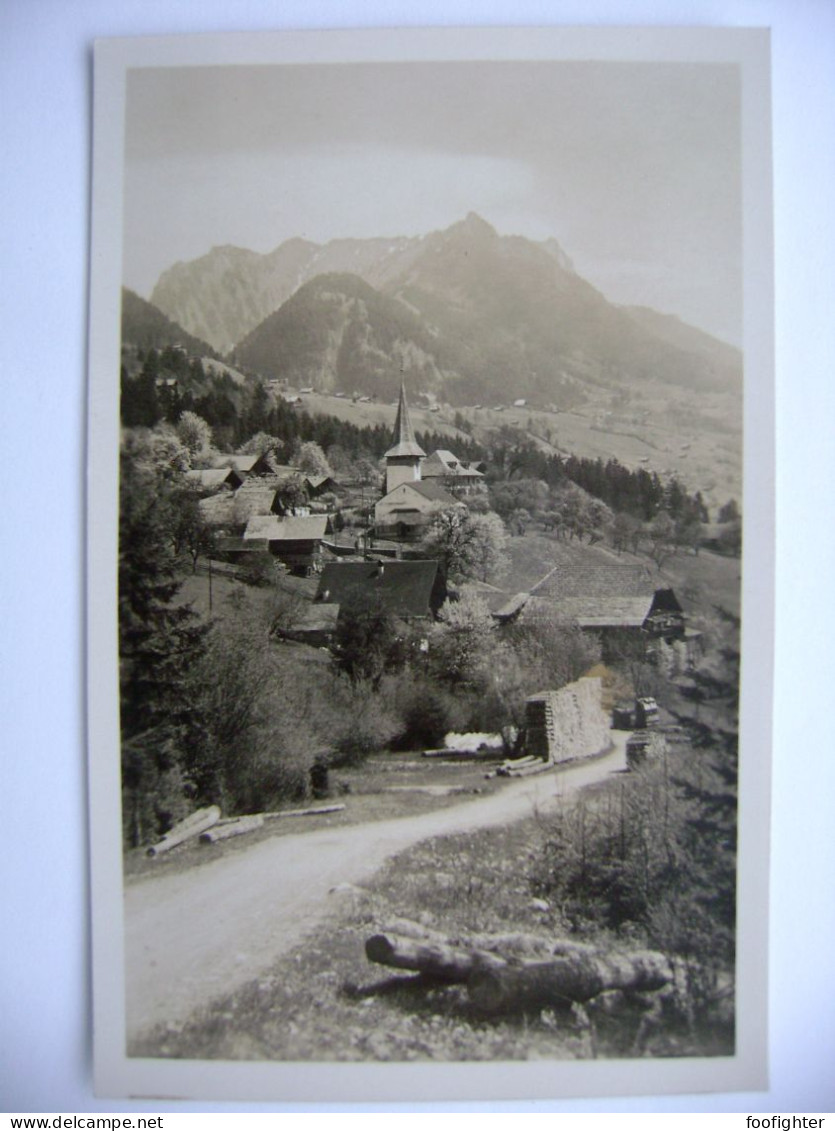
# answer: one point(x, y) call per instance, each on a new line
point(406, 589)
point(231, 511)
point(317, 485)
point(315, 625)
point(620, 604)
point(246, 465)
point(210, 479)
point(296, 541)
point(453, 474)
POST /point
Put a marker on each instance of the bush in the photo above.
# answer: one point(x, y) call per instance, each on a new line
point(427, 713)
point(364, 719)
point(655, 854)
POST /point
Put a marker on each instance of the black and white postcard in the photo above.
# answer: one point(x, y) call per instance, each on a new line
point(431, 423)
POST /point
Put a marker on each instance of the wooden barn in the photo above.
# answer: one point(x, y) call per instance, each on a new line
point(210, 479)
point(620, 604)
point(409, 590)
point(296, 541)
point(451, 473)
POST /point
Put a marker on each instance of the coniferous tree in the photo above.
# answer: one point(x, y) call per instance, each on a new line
point(159, 642)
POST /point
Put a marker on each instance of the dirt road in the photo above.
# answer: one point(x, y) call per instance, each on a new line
point(191, 937)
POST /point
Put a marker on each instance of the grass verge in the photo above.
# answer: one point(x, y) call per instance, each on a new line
point(324, 1001)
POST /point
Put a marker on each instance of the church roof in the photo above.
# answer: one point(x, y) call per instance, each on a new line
point(405, 443)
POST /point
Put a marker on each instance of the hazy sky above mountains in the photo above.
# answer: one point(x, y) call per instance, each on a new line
point(634, 168)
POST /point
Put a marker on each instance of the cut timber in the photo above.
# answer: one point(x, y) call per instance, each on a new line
point(524, 770)
point(302, 812)
point(193, 825)
point(232, 828)
point(571, 978)
point(437, 960)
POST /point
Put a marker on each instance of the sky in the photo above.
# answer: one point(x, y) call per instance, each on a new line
point(635, 168)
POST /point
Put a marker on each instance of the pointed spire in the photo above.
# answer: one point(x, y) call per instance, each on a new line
point(405, 443)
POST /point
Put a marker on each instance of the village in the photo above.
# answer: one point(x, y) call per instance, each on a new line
point(376, 642)
point(254, 506)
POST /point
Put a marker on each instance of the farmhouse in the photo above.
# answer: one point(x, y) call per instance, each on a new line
point(210, 479)
point(620, 604)
point(315, 625)
point(246, 465)
point(451, 473)
point(409, 590)
point(231, 511)
point(295, 541)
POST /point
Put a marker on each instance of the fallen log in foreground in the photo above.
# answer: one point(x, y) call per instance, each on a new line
point(575, 977)
point(434, 959)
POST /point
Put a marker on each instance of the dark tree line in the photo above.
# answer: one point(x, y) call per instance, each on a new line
point(237, 412)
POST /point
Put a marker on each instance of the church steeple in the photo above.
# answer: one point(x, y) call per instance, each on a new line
point(403, 458)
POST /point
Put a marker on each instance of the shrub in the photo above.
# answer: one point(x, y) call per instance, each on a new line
point(427, 712)
point(364, 719)
point(656, 853)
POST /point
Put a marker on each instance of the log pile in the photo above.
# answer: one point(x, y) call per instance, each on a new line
point(208, 825)
point(520, 767)
point(514, 973)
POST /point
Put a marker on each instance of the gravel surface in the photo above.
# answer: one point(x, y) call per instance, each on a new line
point(191, 937)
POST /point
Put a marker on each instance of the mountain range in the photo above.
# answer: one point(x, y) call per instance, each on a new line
point(465, 314)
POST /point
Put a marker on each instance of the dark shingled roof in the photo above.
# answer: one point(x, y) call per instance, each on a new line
point(595, 581)
point(598, 609)
point(291, 529)
point(239, 462)
point(587, 612)
point(402, 588)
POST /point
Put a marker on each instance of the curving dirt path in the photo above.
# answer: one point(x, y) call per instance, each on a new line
point(191, 937)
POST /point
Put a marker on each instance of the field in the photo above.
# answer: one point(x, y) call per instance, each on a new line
point(697, 438)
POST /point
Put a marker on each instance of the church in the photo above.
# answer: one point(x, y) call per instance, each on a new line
point(409, 502)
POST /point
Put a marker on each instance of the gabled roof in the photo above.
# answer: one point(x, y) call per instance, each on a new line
point(316, 482)
point(405, 443)
point(445, 458)
point(218, 510)
point(586, 580)
point(431, 491)
point(211, 477)
point(401, 588)
point(240, 463)
point(318, 618)
point(587, 612)
point(235, 509)
point(444, 463)
point(292, 529)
